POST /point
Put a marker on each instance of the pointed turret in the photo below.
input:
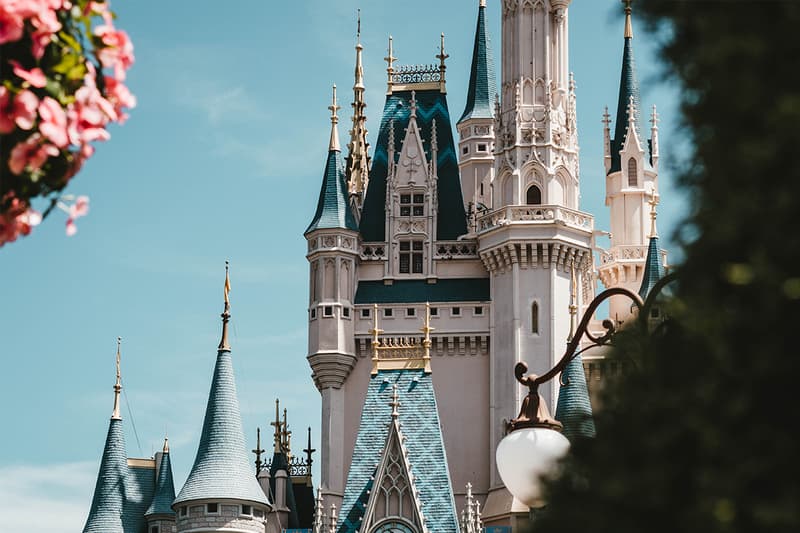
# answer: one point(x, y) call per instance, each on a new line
point(221, 469)
point(161, 506)
point(482, 84)
point(628, 89)
point(333, 207)
point(106, 513)
point(574, 409)
point(358, 149)
point(653, 266)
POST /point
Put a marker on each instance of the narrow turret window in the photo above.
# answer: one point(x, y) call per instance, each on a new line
point(632, 172)
point(535, 318)
point(533, 196)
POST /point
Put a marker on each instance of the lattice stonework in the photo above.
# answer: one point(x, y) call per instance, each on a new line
point(401, 353)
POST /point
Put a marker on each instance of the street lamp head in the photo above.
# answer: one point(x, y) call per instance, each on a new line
point(526, 456)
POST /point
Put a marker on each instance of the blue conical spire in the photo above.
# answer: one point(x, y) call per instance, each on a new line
point(106, 513)
point(653, 267)
point(482, 84)
point(574, 408)
point(628, 88)
point(165, 488)
point(333, 208)
point(221, 468)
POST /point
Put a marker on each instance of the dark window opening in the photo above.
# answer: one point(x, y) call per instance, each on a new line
point(411, 311)
point(412, 204)
point(327, 310)
point(632, 172)
point(434, 311)
point(411, 257)
point(387, 312)
point(212, 507)
point(533, 196)
point(313, 313)
point(479, 310)
point(456, 311)
point(247, 510)
point(346, 312)
point(465, 150)
point(535, 318)
point(365, 313)
point(481, 147)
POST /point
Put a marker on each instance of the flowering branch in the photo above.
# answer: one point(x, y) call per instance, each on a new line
point(63, 66)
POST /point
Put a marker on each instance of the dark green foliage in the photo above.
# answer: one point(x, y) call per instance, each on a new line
point(699, 435)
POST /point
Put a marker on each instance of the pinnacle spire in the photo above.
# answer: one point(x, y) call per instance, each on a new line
point(653, 267)
point(628, 25)
point(226, 314)
point(358, 161)
point(628, 94)
point(115, 415)
point(334, 108)
point(482, 82)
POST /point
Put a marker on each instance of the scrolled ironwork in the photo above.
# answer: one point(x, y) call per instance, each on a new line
point(534, 411)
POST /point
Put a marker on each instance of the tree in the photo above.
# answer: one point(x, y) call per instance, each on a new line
point(699, 433)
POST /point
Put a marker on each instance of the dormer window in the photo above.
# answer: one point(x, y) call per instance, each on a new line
point(412, 204)
point(411, 257)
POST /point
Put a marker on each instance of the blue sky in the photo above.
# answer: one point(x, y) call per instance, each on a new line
point(222, 159)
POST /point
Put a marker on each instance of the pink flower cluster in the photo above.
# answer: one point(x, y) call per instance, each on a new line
point(52, 110)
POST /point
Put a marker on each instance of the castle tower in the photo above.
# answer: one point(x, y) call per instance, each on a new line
point(535, 235)
point(221, 492)
point(333, 248)
point(476, 125)
point(106, 514)
point(631, 166)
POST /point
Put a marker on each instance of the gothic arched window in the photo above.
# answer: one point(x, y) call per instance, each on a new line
point(535, 318)
point(632, 172)
point(533, 196)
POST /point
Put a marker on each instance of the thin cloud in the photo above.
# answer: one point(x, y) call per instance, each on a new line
point(46, 498)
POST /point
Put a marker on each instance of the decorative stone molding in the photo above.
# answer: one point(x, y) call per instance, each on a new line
point(330, 369)
point(555, 255)
point(442, 345)
point(373, 252)
point(467, 249)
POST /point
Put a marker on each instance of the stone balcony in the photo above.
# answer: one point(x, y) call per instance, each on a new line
point(535, 215)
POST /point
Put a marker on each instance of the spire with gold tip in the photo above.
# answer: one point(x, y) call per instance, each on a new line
point(628, 94)
point(358, 160)
point(333, 207)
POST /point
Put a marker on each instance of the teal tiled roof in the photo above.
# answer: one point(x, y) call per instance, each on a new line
point(653, 268)
point(419, 421)
point(431, 104)
point(333, 209)
point(222, 468)
point(628, 87)
point(574, 409)
point(139, 489)
point(106, 512)
point(165, 490)
point(420, 291)
point(482, 84)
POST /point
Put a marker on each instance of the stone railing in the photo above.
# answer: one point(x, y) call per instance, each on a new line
point(623, 253)
point(535, 214)
point(373, 252)
point(455, 250)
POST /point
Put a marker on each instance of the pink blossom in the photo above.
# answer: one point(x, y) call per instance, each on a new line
point(34, 76)
point(118, 50)
point(30, 153)
point(21, 110)
point(120, 97)
point(53, 124)
point(79, 209)
point(11, 25)
point(17, 220)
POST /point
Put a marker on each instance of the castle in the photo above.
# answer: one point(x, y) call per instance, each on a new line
point(436, 263)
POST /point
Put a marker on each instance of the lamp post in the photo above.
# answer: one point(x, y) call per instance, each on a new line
point(533, 443)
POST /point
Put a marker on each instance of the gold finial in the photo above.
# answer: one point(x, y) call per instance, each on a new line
point(286, 435)
point(426, 341)
point(628, 25)
point(482, 3)
point(395, 403)
point(277, 425)
point(115, 415)
point(413, 104)
point(653, 203)
point(358, 31)
point(573, 302)
point(334, 107)
point(442, 55)
point(226, 313)
point(308, 451)
point(166, 445)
